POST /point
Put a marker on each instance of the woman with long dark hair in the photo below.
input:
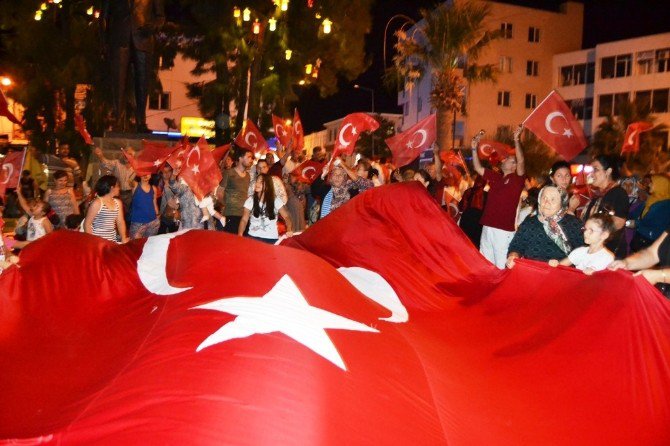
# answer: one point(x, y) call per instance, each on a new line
point(260, 211)
point(105, 214)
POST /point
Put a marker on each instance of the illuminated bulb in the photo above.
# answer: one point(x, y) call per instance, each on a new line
point(38, 15)
point(257, 27)
point(327, 26)
point(246, 14)
point(236, 12)
point(43, 6)
point(317, 16)
point(272, 24)
point(302, 82)
point(5, 81)
point(89, 11)
point(57, 1)
point(288, 54)
point(96, 14)
point(308, 68)
point(284, 5)
point(288, 122)
point(275, 2)
point(271, 67)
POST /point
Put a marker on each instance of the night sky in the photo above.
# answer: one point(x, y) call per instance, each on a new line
point(604, 21)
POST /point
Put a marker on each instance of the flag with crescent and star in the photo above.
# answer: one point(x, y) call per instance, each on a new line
point(4, 110)
point(283, 131)
point(80, 126)
point(494, 150)
point(553, 122)
point(631, 141)
point(352, 126)
point(10, 170)
point(298, 133)
point(308, 171)
point(176, 158)
point(250, 138)
point(408, 145)
point(200, 170)
point(150, 159)
point(398, 333)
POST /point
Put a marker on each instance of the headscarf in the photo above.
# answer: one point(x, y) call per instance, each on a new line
point(550, 224)
point(660, 191)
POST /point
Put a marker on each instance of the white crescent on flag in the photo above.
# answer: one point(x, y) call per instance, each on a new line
point(424, 136)
point(279, 130)
point(297, 128)
point(152, 265)
point(550, 117)
point(486, 150)
point(246, 139)
point(305, 171)
point(631, 141)
point(10, 171)
point(343, 141)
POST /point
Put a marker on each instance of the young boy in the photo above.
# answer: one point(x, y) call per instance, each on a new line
point(593, 257)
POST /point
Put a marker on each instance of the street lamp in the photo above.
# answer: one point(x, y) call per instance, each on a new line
point(372, 94)
point(5, 81)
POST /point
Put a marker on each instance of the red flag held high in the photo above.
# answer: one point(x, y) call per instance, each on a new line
point(250, 138)
point(10, 170)
point(80, 126)
point(308, 171)
point(488, 148)
point(408, 145)
point(402, 334)
point(200, 170)
point(553, 122)
point(4, 110)
point(283, 131)
point(176, 158)
point(220, 152)
point(350, 130)
point(298, 132)
point(150, 159)
point(631, 142)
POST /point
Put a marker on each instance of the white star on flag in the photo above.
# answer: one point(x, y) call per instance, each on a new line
point(195, 169)
point(568, 133)
point(354, 131)
point(158, 162)
point(409, 145)
point(283, 309)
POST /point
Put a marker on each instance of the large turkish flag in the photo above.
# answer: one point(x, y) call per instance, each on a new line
point(385, 327)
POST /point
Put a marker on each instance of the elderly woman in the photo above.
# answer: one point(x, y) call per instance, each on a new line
point(611, 199)
point(552, 233)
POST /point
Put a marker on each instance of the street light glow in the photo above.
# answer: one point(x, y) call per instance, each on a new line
point(236, 12)
point(257, 27)
point(246, 14)
point(38, 16)
point(327, 26)
point(284, 5)
point(288, 54)
point(272, 22)
point(5, 81)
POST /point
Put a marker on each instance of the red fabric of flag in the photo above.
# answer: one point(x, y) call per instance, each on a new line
point(4, 110)
point(283, 131)
point(489, 148)
point(220, 152)
point(631, 141)
point(408, 145)
point(150, 159)
point(80, 126)
point(176, 158)
point(298, 132)
point(352, 127)
point(200, 170)
point(308, 171)
point(10, 170)
point(250, 138)
point(553, 122)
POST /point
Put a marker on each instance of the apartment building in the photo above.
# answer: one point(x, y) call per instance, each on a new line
point(524, 56)
point(596, 81)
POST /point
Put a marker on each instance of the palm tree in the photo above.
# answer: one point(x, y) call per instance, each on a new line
point(446, 46)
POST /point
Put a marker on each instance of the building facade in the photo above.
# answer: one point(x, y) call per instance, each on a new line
point(596, 81)
point(524, 57)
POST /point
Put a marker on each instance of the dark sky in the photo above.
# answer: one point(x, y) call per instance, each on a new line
point(604, 21)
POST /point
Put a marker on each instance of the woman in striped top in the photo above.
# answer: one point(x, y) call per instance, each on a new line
point(105, 214)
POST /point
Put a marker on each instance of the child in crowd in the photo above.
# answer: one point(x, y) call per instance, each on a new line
point(38, 224)
point(595, 256)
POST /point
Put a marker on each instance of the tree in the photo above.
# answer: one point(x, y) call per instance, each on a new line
point(446, 46)
point(365, 146)
point(227, 47)
point(538, 157)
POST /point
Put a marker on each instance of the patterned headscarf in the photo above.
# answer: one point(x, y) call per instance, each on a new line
point(551, 224)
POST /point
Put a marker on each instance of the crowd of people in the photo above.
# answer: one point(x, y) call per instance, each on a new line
point(617, 219)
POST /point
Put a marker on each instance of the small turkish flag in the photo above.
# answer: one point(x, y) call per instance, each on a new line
point(151, 158)
point(200, 170)
point(553, 122)
point(283, 131)
point(177, 157)
point(489, 148)
point(631, 142)
point(308, 171)
point(80, 126)
point(298, 132)
point(250, 138)
point(351, 129)
point(10, 170)
point(408, 145)
point(4, 110)
point(220, 152)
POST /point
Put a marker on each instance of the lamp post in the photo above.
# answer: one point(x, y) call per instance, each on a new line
point(372, 95)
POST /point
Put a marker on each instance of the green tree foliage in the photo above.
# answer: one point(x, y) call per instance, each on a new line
point(373, 144)
point(226, 47)
point(47, 59)
point(446, 46)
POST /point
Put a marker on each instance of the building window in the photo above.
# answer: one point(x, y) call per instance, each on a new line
point(643, 100)
point(164, 63)
point(531, 100)
point(505, 64)
point(532, 67)
point(160, 101)
point(567, 74)
point(645, 62)
point(506, 30)
point(533, 34)
point(659, 101)
point(605, 104)
point(662, 135)
point(504, 98)
point(579, 74)
point(419, 105)
point(663, 60)
point(620, 100)
point(616, 66)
